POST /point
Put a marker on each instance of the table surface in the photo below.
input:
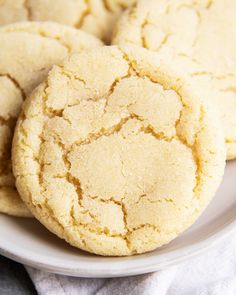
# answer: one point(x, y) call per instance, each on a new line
point(14, 279)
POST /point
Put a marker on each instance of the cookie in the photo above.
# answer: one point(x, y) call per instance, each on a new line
point(202, 31)
point(115, 154)
point(27, 52)
point(94, 16)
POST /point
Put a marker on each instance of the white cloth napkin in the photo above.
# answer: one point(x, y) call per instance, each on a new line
point(211, 273)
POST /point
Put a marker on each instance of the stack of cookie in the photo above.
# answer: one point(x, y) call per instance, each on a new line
point(119, 148)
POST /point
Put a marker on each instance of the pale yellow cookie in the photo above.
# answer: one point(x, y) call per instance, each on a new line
point(27, 52)
point(205, 32)
point(94, 16)
point(115, 154)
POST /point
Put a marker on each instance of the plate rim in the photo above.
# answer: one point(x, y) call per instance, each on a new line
point(145, 265)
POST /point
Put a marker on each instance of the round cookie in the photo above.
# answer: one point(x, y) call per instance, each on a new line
point(115, 154)
point(94, 16)
point(203, 31)
point(27, 52)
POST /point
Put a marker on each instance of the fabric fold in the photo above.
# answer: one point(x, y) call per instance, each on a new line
point(211, 273)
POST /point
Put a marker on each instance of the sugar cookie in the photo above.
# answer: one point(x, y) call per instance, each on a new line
point(115, 154)
point(205, 32)
point(94, 16)
point(27, 52)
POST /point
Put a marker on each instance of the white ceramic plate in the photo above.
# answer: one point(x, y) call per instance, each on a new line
point(26, 241)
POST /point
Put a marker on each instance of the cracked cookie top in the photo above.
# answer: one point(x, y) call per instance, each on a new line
point(202, 36)
point(27, 52)
point(94, 16)
point(115, 154)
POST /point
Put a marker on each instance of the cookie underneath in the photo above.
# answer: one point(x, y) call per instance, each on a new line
point(208, 41)
point(28, 50)
point(115, 154)
point(11, 204)
point(96, 17)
